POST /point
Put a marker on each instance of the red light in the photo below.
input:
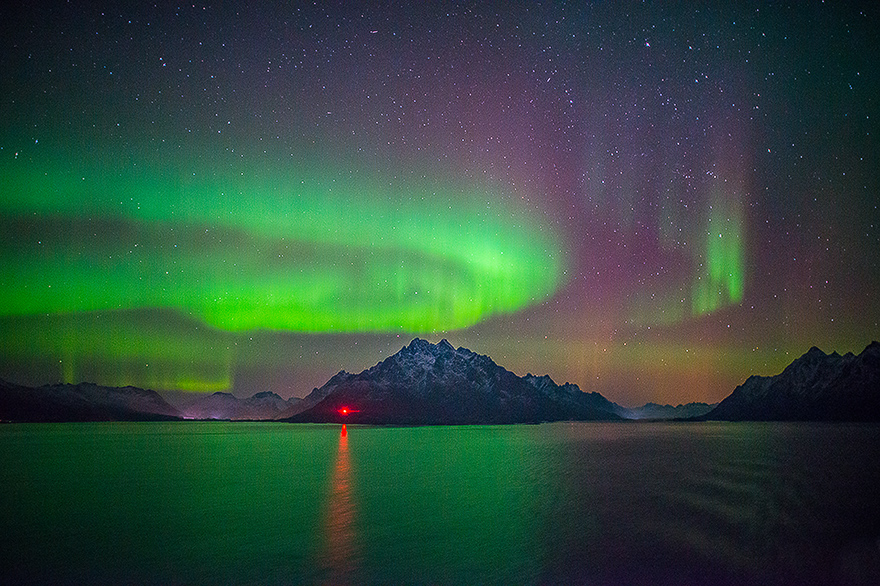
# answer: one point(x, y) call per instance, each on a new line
point(346, 411)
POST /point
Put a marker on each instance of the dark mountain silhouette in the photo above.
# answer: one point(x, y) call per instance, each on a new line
point(428, 383)
point(261, 406)
point(82, 402)
point(815, 387)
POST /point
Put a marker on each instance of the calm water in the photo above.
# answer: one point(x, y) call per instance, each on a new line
point(592, 503)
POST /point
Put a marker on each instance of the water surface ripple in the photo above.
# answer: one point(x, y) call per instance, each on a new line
point(563, 503)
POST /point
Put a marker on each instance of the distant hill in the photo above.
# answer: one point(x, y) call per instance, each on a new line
point(82, 402)
point(815, 387)
point(656, 411)
point(261, 406)
point(428, 383)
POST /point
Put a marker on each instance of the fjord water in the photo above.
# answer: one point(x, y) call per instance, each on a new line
point(606, 503)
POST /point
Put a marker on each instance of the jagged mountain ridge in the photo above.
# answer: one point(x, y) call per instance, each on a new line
point(427, 383)
point(261, 406)
point(433, 384)
point(814, 387)
point(82, 402)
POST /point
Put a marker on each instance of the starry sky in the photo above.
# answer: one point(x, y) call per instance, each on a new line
point(650, 200)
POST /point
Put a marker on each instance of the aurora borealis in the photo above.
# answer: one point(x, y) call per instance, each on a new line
point(651, 201)
point(304, 251)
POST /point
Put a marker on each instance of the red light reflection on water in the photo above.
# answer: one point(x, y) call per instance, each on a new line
point(339, 555)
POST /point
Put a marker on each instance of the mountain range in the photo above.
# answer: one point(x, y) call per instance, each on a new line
point(427, 383)
point(82, 402)
point(815, 387)
point(655, 411)
point(261, 406)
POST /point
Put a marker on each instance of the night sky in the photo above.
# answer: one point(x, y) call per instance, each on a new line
point(652, 201)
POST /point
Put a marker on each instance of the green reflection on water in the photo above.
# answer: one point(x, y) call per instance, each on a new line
point(267, 503)
point(450, 503)
point(175, 503)
point(254, 502)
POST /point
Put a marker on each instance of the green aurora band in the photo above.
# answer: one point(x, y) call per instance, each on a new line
point(303, 249)
point(722, 280)
point(716, 263)
point(167, 278)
